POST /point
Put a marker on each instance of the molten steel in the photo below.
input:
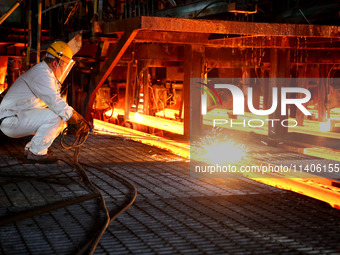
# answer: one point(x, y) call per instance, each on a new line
point(179, 148)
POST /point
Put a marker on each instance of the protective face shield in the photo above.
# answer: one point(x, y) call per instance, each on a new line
point(64, 69)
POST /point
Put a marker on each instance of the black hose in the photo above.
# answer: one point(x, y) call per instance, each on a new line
point(80, 139)
point(94, 242)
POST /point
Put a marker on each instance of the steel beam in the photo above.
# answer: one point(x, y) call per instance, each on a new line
point(279, 68)
point(237, 28)
point(121, 25)
point(322, 93)
point(162, 24)
point(163, 52)
point(254, 42)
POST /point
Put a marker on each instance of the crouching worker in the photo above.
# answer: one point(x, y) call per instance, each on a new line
point(33, 104)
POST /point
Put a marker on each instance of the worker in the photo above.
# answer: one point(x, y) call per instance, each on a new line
point(33, 105)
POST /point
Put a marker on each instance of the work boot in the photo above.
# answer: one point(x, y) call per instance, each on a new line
point(44, 159)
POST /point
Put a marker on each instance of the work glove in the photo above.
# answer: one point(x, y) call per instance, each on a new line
point(77, 124)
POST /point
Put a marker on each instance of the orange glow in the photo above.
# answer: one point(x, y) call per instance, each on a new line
point(155, 122)
point(110, 113)
point(3, 87)
point(179, 148)
point(224, 151)
point(168, 113)
point(175, 127)
point(301, 182)
point(138, 118)
point(312, 187)
point(227, 150)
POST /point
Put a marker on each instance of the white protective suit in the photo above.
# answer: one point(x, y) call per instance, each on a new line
point(33, 106)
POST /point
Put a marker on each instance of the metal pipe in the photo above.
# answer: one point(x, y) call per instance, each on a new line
point(128, 88)
point(39, 30)
point(58, 5)
point(9, 12)
point(29, 37)
point(95, 6)
point(100, 10)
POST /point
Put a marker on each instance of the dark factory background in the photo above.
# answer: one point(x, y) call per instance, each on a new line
point(128, 63)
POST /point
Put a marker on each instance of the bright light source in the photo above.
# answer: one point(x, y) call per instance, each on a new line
point(179, 148)
point(138, 117)
point(223, 152)
point(111, 113)
point(218, 150)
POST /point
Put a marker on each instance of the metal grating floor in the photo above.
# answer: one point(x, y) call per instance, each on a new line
point(173, 213)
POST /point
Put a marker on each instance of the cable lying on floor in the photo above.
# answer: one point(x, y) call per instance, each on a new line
point(79, 140)
point(90, 247)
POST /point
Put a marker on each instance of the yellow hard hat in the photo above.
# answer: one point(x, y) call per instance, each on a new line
point(61, 50)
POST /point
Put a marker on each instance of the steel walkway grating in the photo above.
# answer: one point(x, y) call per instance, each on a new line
point(225, 225)
point(173, 213)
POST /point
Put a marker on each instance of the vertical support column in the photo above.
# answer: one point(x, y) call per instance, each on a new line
point(273, 73)
point(80, 15)
point(98, 10)
point(3, 71)
point(186, 89)
point(193, 68)
point(146, 102)
point(266, 92)
point(34, 22)
point(39, 30)
point(302, 74)
point(322, 91)
point(137, 88)
point(92, 91)
point(29, 34)
point(128, 90)
point(257, 89)
point(196, 118)
point(246, 85)
point(279, 68)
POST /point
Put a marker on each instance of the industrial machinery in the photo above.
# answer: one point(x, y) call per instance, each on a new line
point(136, 56)
point(135, 61)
